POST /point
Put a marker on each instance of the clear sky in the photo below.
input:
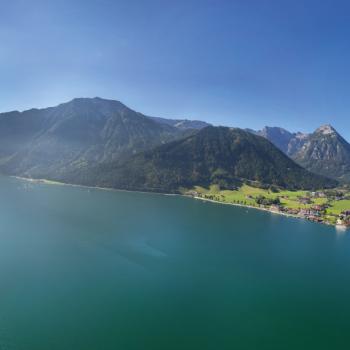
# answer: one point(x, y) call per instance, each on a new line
point(246, 63)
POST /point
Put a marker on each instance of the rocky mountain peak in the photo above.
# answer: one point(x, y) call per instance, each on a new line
point(326, 129)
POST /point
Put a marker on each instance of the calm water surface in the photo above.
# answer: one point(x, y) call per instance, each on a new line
point(93, 269)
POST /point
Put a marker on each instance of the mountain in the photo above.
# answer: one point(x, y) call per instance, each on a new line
point(280, 136)
point(325, 152)
point(183, 124)
point(286, 141)
point(221, 155)
point(296, 143)
point(83, 132)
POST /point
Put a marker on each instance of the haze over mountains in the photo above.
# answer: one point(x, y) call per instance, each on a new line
point(54, 141)
point(103, 142)
point(182, 123)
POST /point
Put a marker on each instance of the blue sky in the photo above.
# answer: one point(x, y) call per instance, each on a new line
point(240, 63)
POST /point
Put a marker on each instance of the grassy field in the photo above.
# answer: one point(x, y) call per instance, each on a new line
point(290, 199)
point(338, 206)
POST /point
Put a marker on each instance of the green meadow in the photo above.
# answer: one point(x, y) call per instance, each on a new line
point(246, 195)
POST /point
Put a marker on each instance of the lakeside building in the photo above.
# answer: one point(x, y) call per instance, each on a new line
point(318, 194)
point(310, 213)
point(304, 200)
point(276, 208)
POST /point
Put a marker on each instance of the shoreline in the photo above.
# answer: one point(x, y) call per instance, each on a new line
point(51, 182)
point(336, 226)
point(262, 209)
point(58, 183)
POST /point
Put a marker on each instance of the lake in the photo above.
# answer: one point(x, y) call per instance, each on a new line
point(93, 269)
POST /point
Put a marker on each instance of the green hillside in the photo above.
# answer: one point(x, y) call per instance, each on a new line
point(214, 155)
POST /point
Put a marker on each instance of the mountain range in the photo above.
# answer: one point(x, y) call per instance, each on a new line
point(53, 141)
point(183, 124)
point(323, 152)
point(102, 142)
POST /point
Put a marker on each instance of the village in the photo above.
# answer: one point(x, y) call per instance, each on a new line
point(329, 206)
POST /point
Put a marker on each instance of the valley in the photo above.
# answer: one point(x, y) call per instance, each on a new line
point(103, 143)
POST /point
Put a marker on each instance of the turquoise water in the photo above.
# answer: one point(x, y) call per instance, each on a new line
point(91, 269)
